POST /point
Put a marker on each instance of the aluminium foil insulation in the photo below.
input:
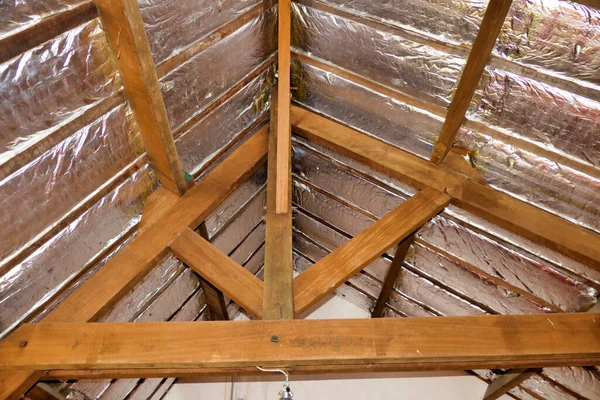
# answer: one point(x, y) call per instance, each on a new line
point(557, 37)
point(43, 88)
point(453, 21)
point(220, 128)
point(189, 88)
point(559, 189)
point(17, 15)
point(397, 123)
point(58, 180)
point(25, 288)
point(537, 180)
point(466, 246)
point(164, 21)
point(507, 239)
point(413, 68)
point(553, 118)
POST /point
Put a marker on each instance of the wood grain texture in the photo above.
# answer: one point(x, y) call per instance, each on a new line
point(215, 301)
point(492, 22)
point(500, 208)
point(122, 21)
point(392, 276)
point(122, 272)
point(284, 138)
point(221, 271)
point(508, 380)
point(559, 339)
point(279, 269)
point(325, 276)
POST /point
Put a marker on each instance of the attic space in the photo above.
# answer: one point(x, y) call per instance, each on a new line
point(391, 199)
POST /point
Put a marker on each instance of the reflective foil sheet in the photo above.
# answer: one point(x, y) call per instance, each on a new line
point(453, 21)
point(52, 84)
point(559, 37)
point(55, 182)
point(16, 15)
point(388, 119)
point(559, 189)
point(553, 118)
point(223, 126)
point(164, 21)
point(413, 68)
point(27, 286)
point(472, 254)
point(193, 85)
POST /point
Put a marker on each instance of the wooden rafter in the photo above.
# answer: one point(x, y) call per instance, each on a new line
point(132, 263)
point(489, 30)
point(392, 276)
point(423, 343)
point(325, 276)
point(278, 276)
point(221, 271)
point(500, 208)
point(122, 21)
point(215, 301)
point(284, 138)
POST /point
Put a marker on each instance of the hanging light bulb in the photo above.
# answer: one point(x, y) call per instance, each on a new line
point(286, 392)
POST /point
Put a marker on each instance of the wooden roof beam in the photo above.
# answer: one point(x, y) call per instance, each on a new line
point(325, 276)
point(419, 343)
point(279, 269)
point(492, 22)
point(284, 136)
point(122, 21)
point(132, 263)
point(392, 276)
point(221, 271)
point(500, 208)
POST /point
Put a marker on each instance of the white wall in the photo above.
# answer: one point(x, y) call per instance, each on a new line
point(389, 386)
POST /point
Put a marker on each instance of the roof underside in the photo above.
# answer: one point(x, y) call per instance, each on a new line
point(75, 174)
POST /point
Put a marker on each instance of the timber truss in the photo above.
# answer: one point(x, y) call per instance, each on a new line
point(68, 344)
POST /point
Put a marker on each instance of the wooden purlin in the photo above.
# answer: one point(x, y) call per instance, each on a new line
point(122, 21)
point(489, 30)
point(500, 208)
point(419, 343)
point(132, 263)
